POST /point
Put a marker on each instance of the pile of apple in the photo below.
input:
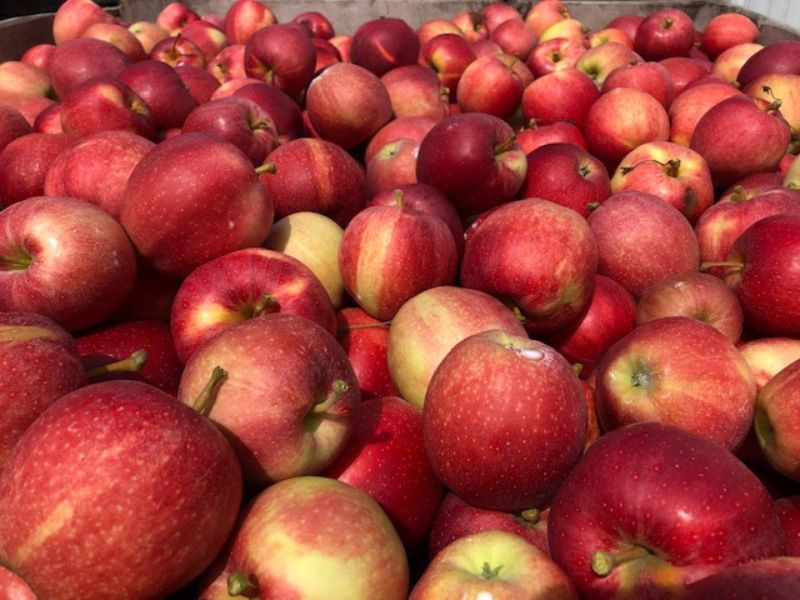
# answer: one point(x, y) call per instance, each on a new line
point(496, 308)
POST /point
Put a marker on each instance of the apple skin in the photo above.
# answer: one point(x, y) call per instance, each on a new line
point(175, 16)
point(427, 327)
point(566, 28)
point(566, 175)
point(676, 174)
point(728, 64)
point(118, 36)
point(768, 273)
point(281, 55)
point(600, 61)
point(200, 84)
point(24, 163)
point(41, 365)
point(768, 579)
point(13, 587)
point(412, 128)
point(689, 107)
point(662, 244)
point(12, 125)
point(684, 70)
point(178, 51)
point(415, 91)
point(726, 31)
point(609, 316)
point(386, 458)
point(65, 259)
point(76, 61)
point(474, 159)
point(456, 519)
point(678, 371)
point(554, 55)
point(785, 87)
point(298, 529)
point(97, 168)
point(435, 27)
point(610, 34)
point(664, 33)
point(780, 57)
point(776, 421)
point(514, 37)
point(74, 17)
point(20, 81)
point(545, 13)
point(788, 510)
point(392, 166)
point(565, 95)
point(366, 342)
point(465, 569)
point(656, 511)
point(150, 539)
point(487, 85)
point(148, 34)
point(318, 24)
point(228, 64)
point(208, 38)
point(118, 341)
point(695, 295)
point(381, 45)
point(768, 356)
point(448, 54)
point(279, 367)
point(538, 255)
point(220, 206)
point(230, 289)
point(535, 135)
point(283, 111)
point(650, 77)
point(244, 17)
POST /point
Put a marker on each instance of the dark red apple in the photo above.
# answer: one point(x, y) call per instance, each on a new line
point(768, 579)
point(448, 54)
point(381, 45)
point(536, 134)
point(282, 110)
point(200, 84)
point(726, 31)
point(244, 17)
point(77, 61)
point(12, 125)
point(788, 510)
point(318, 24)
point(665, 33)
point(780, 57)
point(564, 95)
point(24, 164)
point(281, 55)
point(366, 341)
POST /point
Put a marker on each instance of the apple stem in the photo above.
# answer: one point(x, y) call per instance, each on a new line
point(240, 585)
point(532, 124)
point(577, 368)
point(531, 515)
point(738, 194)
point(338, 387)
point(132, 364)
point(668, 22)
point(399, 198)
point(604, 562)
point(266, 302)
point(730, 264)
point(269, 167)
point(518, 313)
point(592, 206)
point(673, 167)
point(206, 398)
point(19, 262)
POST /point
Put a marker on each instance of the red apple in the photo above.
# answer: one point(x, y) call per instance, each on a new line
point(600, 61)
point(20, 81)
point(175, 16)
point(768, 356)
point(627, 23)
point(684, 70)
point(393, 165)
point(536, 135)
point(554, 55)
point(244, 17)
point(786, 88)
point(39, 55)
point(31, 108)
point(381, 45)
point(564, 95)
point(545, 13)
point(366, 341)
point(228, 64)
point(768, 578)
point(178, 51)
point(726, 31)
point(690, 106)
point(566, 28)
point(73, 17)
point(413, 128)
point(281, 55)
point(14, 587)
point(148, 34)
point(665, 33)
point(789, 514)
point(514, 37)
point(780, 57)
point(728, 64)
point(435, 27)
point(610, 34)
point(776, 422)
point(77, 61)
point(118, 36)
point(24, 164)
point(12, 125)
point(209, 39)
point(282, 110)
point(415, 91)
point(318, 24)
point(650, 77)
point(489, 85)
point(448, 54)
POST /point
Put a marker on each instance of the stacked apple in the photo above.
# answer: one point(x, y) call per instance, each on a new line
point(493, 307)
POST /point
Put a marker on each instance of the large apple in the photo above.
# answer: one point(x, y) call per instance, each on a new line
point(244, 17)
point(281, 55)
point(726, 31)
point(768, 579)
point(74, 17)
point(381, 45)
point(780, 57)
point(665, 33)
point(75, 62)
point(776, 421)
point(690, 106)
point(564, 95)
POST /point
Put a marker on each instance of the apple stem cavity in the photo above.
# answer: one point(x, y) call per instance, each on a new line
point(736, 266)
point(208, 396)
point(132, 364)
point(240, 585)
point(269, 167)
point(338, 387)
point(603, 563)
point(18, 262)
point(262, 306)
point(489, 573)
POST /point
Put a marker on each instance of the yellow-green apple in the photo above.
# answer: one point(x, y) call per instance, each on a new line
point(191, 199)
point(366, 342)
point(567, 175)
point(537, 255)
point(287, 399)
point(119, 36)
point(386, 458)
point(73, 17)
point(489, 85)
point(565, 28)
point(42, 364)
point(544, 13)
point(393, 165)
point(316, 537)
point(13, 125)
point(789, 514)
point(228, 64)
point(377, 249)
point(283, 111)
point(243, 285)
point(728, 64)
point(96, 168)
point(24, 163)
point(564, 95)
point(627, 23)
point(456, 519)
point(117, 443)
point(39, 55)
point(318, 24)
point(776, 421)
point(281, 55)
point(786, 88)
point(537, 134)
point(722, 223)
point(448, 54)
point(554, 55)
point(178, 51)
point(381, 45)
point(769, 579)
point(413, 128)
point(244, 17)
point(625, 522)
point(684, 70)
point(435, 27)
point(621, 120)
point(726, 31)
point(609, 316)
point(65, 259)
point(106, 104)
point(308, 174)
point(676, 174)
point(514, 38)
point(493, 564)
point(77, 61)
point(175, 16)
point(415, 91)
point(689, 107)
point(474, 159)
point(695, 295)
point(347, 104)
point(209, 39)
point(600, 61)
point(504, 421)
point(118, 342)
point(20, 81)
point(609, 34)
point(427, 327)
point(14, 587)
point(780, 57)
point(665, 33)
point(650, 77)
point(768, 356)
point(762, 268)
point(314, 240)
point(679, 371)
point(148, 34)
point(662, 243)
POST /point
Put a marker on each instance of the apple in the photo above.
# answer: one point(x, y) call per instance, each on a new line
point(726, 31)
point(600, 61)
point(448, 54)
point(381, 45)
point(314, 240)
point(326, 54)
point(661, 534)
point(489, 86)
point(200, 84)
point(665, 33)
point(674, 173)
point(769, 578)
point(24, 164)
point(684, 70)
point(300, 528)
point(151, 297)
point(13, 125)
point(494, 14)
point(427, 327)
point(661, 244)
point(436, 26)
point(788, 510)
point(178, 51)
point(191, 199)
point(20, 81)
point(318, 24)
point(49, 120)
point(412, 128)
point(791, 178)
point(281, 55)
point(650, 77)
point(567, 175)
point(627, 23)
point(148, 34)
point(728, 64)
point(415, 91)
point(73, 17)
point(497, 564)
point(76, 61)
point(565, 28)
point(536, 135)
point(564, 95)
point(776, 421)
point(780, 57)
point(282, 110)
point(308, 174)
point(544, 13)
point(31, 108)
point(307, 399)
point(610, 34)
point(768, 356)
point(514, 37)
point(393, 165)
point(786, 88)
point(517, 401)
point(243, 285)
point(366, 341)
point(174, 17)
point(244, 17)
point(474, 159)
point(554, 55)
point(39, 55)
point(208, 38)
point(118, 36)
point(46, 267)
point(690, 105)
point(12, 586)
point(228, 64)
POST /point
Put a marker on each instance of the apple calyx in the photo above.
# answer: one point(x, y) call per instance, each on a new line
point(240, 585)
point(489, 573)
point(269, 167)
point(132, 364)
point(338, 387)
point(16, 262)
point(208, 395)
point(642, 375)
point(735, 265)
point(584, 170)
point(531, 516)
point(263, 305)
point(603, 563)
point(667, 23)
